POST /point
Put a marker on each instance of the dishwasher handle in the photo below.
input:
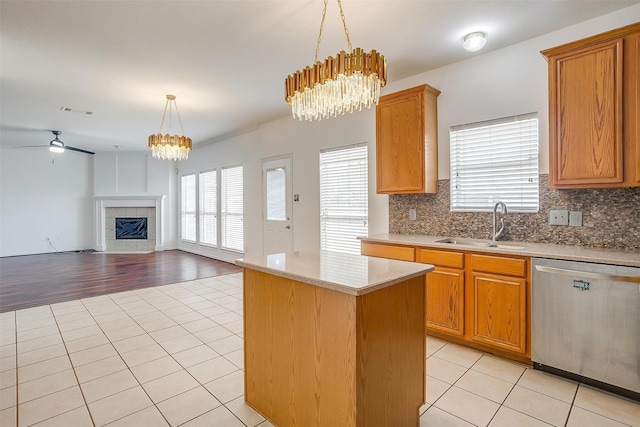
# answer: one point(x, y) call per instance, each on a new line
point(588, 274)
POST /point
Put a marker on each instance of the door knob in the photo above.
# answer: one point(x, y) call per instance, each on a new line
point(287, 227)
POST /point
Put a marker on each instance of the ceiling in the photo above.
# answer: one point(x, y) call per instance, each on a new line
point(224, 60)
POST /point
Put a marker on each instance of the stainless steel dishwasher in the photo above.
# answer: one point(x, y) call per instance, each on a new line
point(585, 323)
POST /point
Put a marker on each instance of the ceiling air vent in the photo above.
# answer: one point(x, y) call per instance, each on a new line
point(72, 110)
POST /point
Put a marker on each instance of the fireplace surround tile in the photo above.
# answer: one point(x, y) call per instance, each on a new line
point(108, 208)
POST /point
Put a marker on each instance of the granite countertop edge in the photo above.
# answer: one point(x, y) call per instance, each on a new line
point(538, 250)
point(310, 279)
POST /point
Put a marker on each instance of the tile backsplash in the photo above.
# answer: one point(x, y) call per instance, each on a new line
point(610, 217)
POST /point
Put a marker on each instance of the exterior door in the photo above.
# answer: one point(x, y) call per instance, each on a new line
point(276, 211)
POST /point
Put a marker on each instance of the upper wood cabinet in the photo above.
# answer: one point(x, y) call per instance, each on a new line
point(594, 112)
point(407, 141)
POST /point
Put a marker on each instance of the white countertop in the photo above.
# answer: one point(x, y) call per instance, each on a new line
point(347, 273)
point(539, 250)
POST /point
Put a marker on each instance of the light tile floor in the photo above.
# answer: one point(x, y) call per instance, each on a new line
point(173, 355)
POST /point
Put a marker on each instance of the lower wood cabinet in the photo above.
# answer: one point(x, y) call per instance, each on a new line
point(499, 298)
point(444, 290)
point(445, 300)
point(499, 311)
point(475, 299)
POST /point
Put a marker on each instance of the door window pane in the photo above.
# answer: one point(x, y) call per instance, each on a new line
point(276, 194)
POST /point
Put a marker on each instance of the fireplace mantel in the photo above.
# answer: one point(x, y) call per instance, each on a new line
point(133, 201)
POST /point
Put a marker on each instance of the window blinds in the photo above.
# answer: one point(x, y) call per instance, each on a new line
point(495, 160)
point(343, 198)
point(188, 211)
point(232, 227)
point(208, 208)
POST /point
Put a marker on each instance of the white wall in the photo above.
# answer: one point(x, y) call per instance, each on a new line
point(40, 198)
point(303, 141)
point(132, 174)
point(506, 82)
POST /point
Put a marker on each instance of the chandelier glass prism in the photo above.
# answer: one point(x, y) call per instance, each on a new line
point(346, 83)
point(167, 146)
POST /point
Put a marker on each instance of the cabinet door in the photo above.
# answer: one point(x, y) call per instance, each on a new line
point(445, 300)
point(499, 311)
point(588, 116)
point(400, 142)
point(407, 141)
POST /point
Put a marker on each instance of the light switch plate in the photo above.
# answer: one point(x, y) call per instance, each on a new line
point(575, 219)
point(558, 217)
point(412, 214)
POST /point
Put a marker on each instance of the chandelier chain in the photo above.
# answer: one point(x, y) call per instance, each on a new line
point(344, 24)
point(324, 14)
point(170, 103)
point(166, 104)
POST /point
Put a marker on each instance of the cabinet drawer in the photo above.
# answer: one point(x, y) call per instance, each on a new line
point(441, 258)
point(499, 265)
point(402, 253)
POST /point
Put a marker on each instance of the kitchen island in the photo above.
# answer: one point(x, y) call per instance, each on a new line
point(334, 339)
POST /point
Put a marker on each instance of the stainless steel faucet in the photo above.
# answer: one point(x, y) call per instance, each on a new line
point(503, 208)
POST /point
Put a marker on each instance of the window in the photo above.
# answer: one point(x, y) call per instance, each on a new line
point(232, 209)
point(343, 198)
point(276, 194)
point(208, 212)
point(495, 160)
point(188, 211)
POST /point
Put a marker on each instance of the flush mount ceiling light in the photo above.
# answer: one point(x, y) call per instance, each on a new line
point(474, 41)
point(56, 146)
point(167, 146)
point(342, 84)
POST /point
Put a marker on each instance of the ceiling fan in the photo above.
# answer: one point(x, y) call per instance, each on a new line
point(57, 146)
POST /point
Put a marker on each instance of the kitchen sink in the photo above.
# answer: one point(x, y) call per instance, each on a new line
point(467, 242)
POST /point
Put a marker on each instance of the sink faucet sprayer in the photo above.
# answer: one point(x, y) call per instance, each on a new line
point(503, 208)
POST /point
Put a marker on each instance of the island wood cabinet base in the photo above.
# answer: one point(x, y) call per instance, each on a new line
point(318, 357)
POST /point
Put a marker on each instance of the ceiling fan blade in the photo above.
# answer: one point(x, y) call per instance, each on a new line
point(30, 146)
point(79, 150)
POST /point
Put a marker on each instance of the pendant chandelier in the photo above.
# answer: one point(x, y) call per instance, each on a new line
point(342, 84)
point(167, 146)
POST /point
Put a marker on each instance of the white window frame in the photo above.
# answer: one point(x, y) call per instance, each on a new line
point(495, 160)
point(231, 207)
point(184, 211)
point(203, 211)
point(344, 197)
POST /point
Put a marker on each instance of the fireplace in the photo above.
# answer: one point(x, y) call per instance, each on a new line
point(129, 223)
point(131, 228)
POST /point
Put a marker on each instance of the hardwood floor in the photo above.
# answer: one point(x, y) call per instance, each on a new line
point(33, 280)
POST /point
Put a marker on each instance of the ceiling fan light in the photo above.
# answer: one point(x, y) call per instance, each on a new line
point(474, 41)
point(56, 146)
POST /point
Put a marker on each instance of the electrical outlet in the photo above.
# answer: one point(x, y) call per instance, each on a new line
point(412, 214)
point(575, 219)
point(558, 217)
